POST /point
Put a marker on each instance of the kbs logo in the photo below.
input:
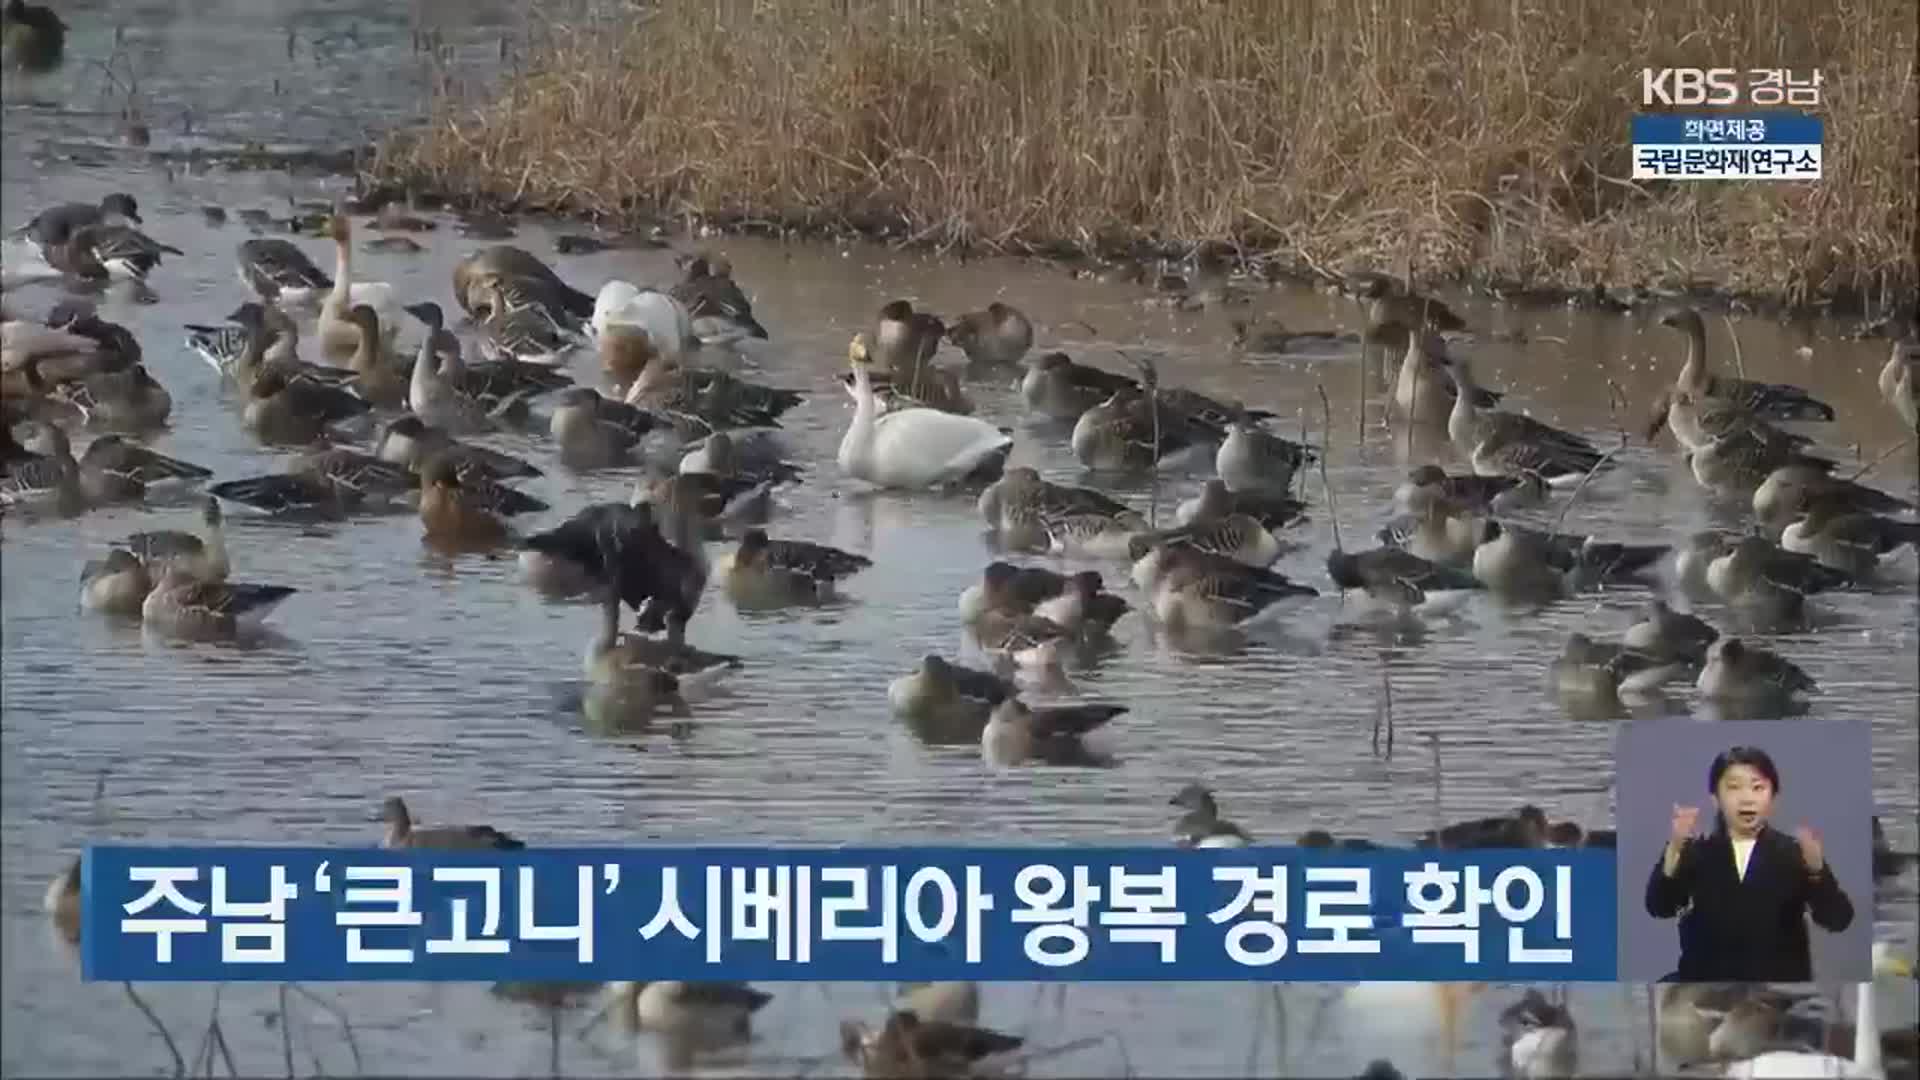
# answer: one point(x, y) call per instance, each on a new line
point(1765, 87)
point(1689, 86)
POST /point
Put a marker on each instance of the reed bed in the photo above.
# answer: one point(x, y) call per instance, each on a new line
point(1467, 140)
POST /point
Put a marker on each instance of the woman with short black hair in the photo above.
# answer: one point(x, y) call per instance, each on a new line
point(1744, 891)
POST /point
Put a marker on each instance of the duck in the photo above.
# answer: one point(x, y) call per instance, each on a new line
point(49, 478)
point(1070, 601)
point(130, 399)
point(115, 585)
point(1793, 488)
point(1665, 633)
point(62, 901)
point(665, 322)
point(1521, 562)
point(906, 376)
point(27, 396)
point(1021, 497)
point(278, 272)
point(182, 604)
point(716, 397)
point(338, 334)
point(533, 281)
point(1868, 1054)
point(1777, 401)
point(706, 503)
point(203, 557)
point(1196, 590)
point(1699, 1022)
point(518, 326)
point(625, 351)
point(595, 432)
point(910, 1045)
point(1850, 541)
point(33, 39)
point(51, 227)
point(254, 336)
point(58, 354)
point(1751, 560)
point(1253, 460)
point(1270, 336)
point(1738, 671)
point(375, 379)
point(1029, 642)
point(1202, 826)
point(1215, 501)
point(1540, 1039)
point(127, 252)
point(1900, 383)
point(917, 448)
point(1236, 536)
point(115, 470)
point(332, 483)
point(402, 833)
point(1505, 443)
point(616, 659)
point(407, 440)
point(1398, 576)
point(1057, 388)
point(1424, 391)
point(449, 517)
point(785, 569)
point(1739, 462)
point(1525, 827)
point(1093, 534)
point(1589, 668)
point(1129, 431)
point(1017, 734)
point(702, 1011)
point(75, 323)
point(721, 454)
point(997, 336)
point(1696, 420)
point(288, 410)
point(1436, 528)
point(950, 1002)
point(464, 399)
point(947, 695)
point(606, 548)
point(720, 311)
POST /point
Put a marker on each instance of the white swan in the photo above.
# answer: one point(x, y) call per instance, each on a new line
point(665, 319)
point(1866, 1063)
point(913, 448)
point(338, 333)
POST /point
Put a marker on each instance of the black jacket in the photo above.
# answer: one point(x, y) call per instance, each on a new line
point(1750, 929)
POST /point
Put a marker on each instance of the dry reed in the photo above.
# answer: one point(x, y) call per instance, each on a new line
point(1465, 139)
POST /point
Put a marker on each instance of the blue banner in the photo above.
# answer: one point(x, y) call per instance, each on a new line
point(847, 914)
point(1762, 128)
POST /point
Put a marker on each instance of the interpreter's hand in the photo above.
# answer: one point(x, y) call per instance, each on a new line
point(1810, 850)
point(1684, 819)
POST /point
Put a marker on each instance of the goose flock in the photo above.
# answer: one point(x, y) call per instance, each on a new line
point(387, 404)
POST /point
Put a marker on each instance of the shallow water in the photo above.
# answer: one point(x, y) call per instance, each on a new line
point(453, 684)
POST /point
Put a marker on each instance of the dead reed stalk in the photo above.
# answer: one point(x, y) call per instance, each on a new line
point(1460, 140)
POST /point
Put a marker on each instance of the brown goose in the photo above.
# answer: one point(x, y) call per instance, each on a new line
point(401, 833)
point(1501, 443)
point(1778, 401)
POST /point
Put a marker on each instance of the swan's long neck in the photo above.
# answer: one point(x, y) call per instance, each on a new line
point(1866, 1033)
point(342, 276)
point(1693, 373)
point(1463, 420)
point(857, 445)
point(1890, 374)
point(422, 384)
